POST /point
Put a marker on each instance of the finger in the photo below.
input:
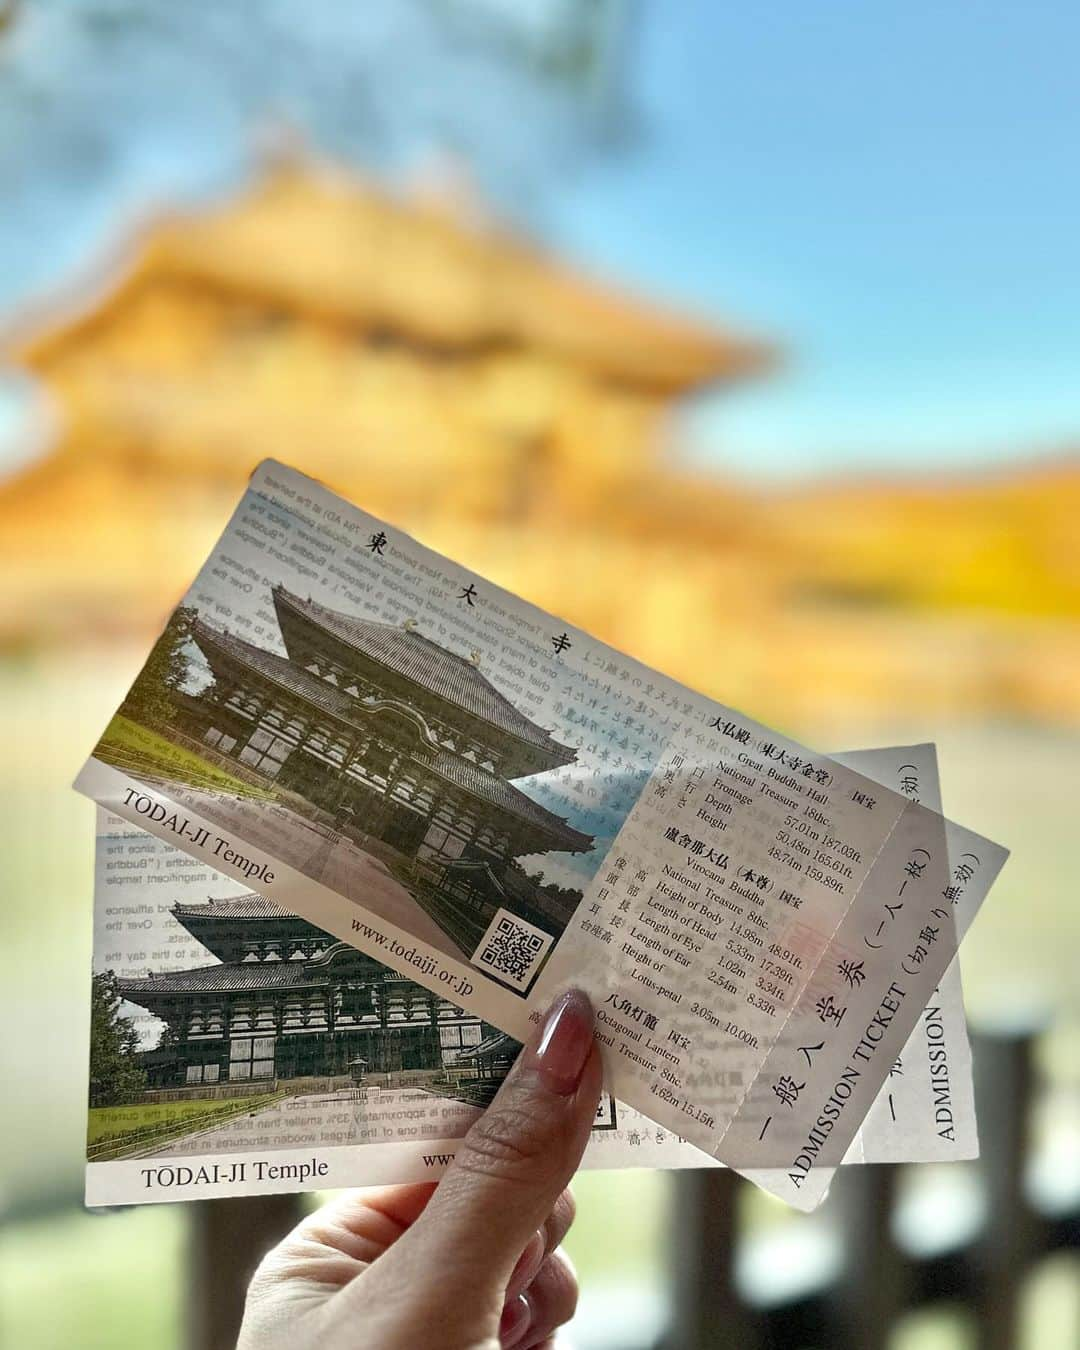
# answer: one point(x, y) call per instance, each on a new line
point(363, 1223)
point(558, 1222)
point(541, 1244)
point(401, 1205)
point(514, 1163)
point(552, 1300)
point(350, 1231)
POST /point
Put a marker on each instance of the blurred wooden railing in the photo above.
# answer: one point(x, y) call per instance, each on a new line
point(877, 1283)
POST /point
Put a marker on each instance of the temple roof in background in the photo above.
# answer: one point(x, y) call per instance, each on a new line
point(395, 264)
point(523, 423)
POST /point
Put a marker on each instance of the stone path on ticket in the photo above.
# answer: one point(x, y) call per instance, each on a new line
point(320, 1120)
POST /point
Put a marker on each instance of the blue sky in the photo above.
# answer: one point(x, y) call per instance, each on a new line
point(888, 191)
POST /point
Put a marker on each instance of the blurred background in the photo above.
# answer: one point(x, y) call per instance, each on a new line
point(745, 337)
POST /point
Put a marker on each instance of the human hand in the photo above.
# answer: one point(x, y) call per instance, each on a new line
point(469, 1264)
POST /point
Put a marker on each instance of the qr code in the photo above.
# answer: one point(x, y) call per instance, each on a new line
point(512, 949)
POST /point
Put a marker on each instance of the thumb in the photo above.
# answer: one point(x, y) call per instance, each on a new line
point(518, 1157)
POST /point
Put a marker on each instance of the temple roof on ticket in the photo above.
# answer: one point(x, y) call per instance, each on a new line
point(223, 976)
point(452, 677)
point(499, 792)
point(239, 907)
point(281, 670)
point(499, 1043)
point(463, 773)
point(513, 885)
point(239, 976)
point(226, 926)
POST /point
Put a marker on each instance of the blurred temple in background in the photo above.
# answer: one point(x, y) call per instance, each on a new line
point(443, 375)
point(519, 417)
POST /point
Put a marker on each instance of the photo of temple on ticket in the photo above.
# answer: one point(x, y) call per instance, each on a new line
point(395, 766)
point(273, 1005)
point(236, 1047)
point(322, 707)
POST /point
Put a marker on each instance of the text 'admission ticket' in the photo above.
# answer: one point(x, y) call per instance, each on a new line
point(497, 805)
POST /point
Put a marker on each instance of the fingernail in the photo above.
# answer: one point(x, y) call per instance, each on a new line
point(529, 1262)
point(514, 1322)
point(565, 1041)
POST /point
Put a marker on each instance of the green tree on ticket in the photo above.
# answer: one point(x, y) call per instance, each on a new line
point(116, 1076)
point(149, 699)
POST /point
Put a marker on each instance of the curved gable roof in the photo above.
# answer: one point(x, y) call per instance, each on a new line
point(241, 976)
point(450, 283)
point(250, 906)
point(452, 677)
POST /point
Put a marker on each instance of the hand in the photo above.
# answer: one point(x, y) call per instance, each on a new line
point(470, 1264)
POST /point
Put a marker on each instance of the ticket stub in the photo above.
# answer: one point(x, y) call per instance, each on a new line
point(926, 1106)
point(880, 967)
point(496, 805)
point(925, 1109)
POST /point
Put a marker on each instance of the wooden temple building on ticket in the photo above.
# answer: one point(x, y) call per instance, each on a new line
point(402, 745)
point(285, 1001)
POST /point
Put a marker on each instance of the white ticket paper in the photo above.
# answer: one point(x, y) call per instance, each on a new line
point(498, 805)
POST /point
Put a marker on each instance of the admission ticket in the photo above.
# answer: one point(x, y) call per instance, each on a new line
point(497, 805)
point(189, 966)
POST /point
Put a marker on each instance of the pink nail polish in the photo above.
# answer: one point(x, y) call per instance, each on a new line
point(514, 1322)
point(565, 1041)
